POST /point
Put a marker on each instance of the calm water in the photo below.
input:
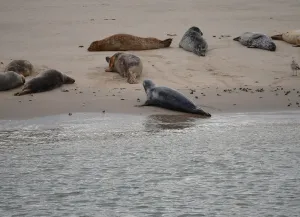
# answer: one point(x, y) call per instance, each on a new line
point(120, 165)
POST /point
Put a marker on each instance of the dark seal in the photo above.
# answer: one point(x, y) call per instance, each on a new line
point(193, 41)
point(168, 98)
point(48, 80)
point(256, 40)
point(23, 67)
point(10, 80)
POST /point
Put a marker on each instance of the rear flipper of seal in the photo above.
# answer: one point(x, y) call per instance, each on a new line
point(201, 112)
point(167, 42)
point(237, 38)
point(277, 37)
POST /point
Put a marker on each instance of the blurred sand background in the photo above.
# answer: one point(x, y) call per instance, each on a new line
point(49, 33)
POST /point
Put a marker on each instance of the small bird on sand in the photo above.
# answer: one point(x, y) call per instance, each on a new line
point(294, 67)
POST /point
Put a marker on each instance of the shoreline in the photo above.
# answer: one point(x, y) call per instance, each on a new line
point(61, 41)
point(122, 100)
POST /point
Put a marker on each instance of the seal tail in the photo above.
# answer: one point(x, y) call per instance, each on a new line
point(201, 112)
point(277, 37)
point(167, 42)
point(237, 38)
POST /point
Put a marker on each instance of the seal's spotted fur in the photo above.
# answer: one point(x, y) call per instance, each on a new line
point(256, 40)
point(193, 41)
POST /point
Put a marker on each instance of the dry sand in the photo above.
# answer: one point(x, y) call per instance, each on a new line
point(49, 33)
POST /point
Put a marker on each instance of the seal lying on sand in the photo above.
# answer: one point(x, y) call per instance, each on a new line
point(256, 40)
point(127, 65)
point(291, 37)
point(124, 42)
point(45, 81)
point(168, 98)
point(10, 80)
point(23, 67)
point(193, 41)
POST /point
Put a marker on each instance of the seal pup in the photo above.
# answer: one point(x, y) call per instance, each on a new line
point(295, 67)
point(47, 80)
point(127, 65)
point(168, 98)
point(10, 80)
point(193, 41)
point(125, 42)
point(256, 40)
point(291, 37)
point(23, 67)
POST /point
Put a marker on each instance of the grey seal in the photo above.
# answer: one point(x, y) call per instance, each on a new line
point(23, 67)
point(256, 40)
point(127, 65)
point(10, 80)
point(168, 98)
point(47, 80)
point(193, 41)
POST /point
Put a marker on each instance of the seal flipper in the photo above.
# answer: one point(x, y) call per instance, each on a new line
point(277, 37)
point(147, 103)
point(296, 45)
point(237, 38)
point(201, 112)
point(131, 78)
point(23, 92)
point(167, 42)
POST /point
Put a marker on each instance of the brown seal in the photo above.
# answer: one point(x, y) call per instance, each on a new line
point(127, 65)
point(10, 80)
point(23, 67)
point(47, 80)
point(291, 37)
point(125, 42)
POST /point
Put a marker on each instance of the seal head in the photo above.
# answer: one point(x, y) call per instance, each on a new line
point(23, 67)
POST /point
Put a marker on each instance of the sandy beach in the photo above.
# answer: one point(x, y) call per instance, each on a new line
point(231, 78)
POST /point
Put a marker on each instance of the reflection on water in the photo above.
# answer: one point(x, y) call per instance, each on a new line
point(169, 122)
point(109, 165)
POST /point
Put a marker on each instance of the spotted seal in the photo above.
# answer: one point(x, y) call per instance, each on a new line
point(256, 40)
point(127, 65)
point(125, 42)
point(23, 67)
point(10, 80)
point(291, 37)
point(45, 81)
point(168, 98)
point(193, 41)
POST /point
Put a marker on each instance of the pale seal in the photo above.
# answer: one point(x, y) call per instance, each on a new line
point(291, 37)
point(168, 98)
point(127, 65)
point(10, 80)
point(45, 81)
point(23, 67)
point(256, 40)
point(125, 42)
point(193, 41)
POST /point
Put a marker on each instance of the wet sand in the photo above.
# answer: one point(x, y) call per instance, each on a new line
point(231, 78)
